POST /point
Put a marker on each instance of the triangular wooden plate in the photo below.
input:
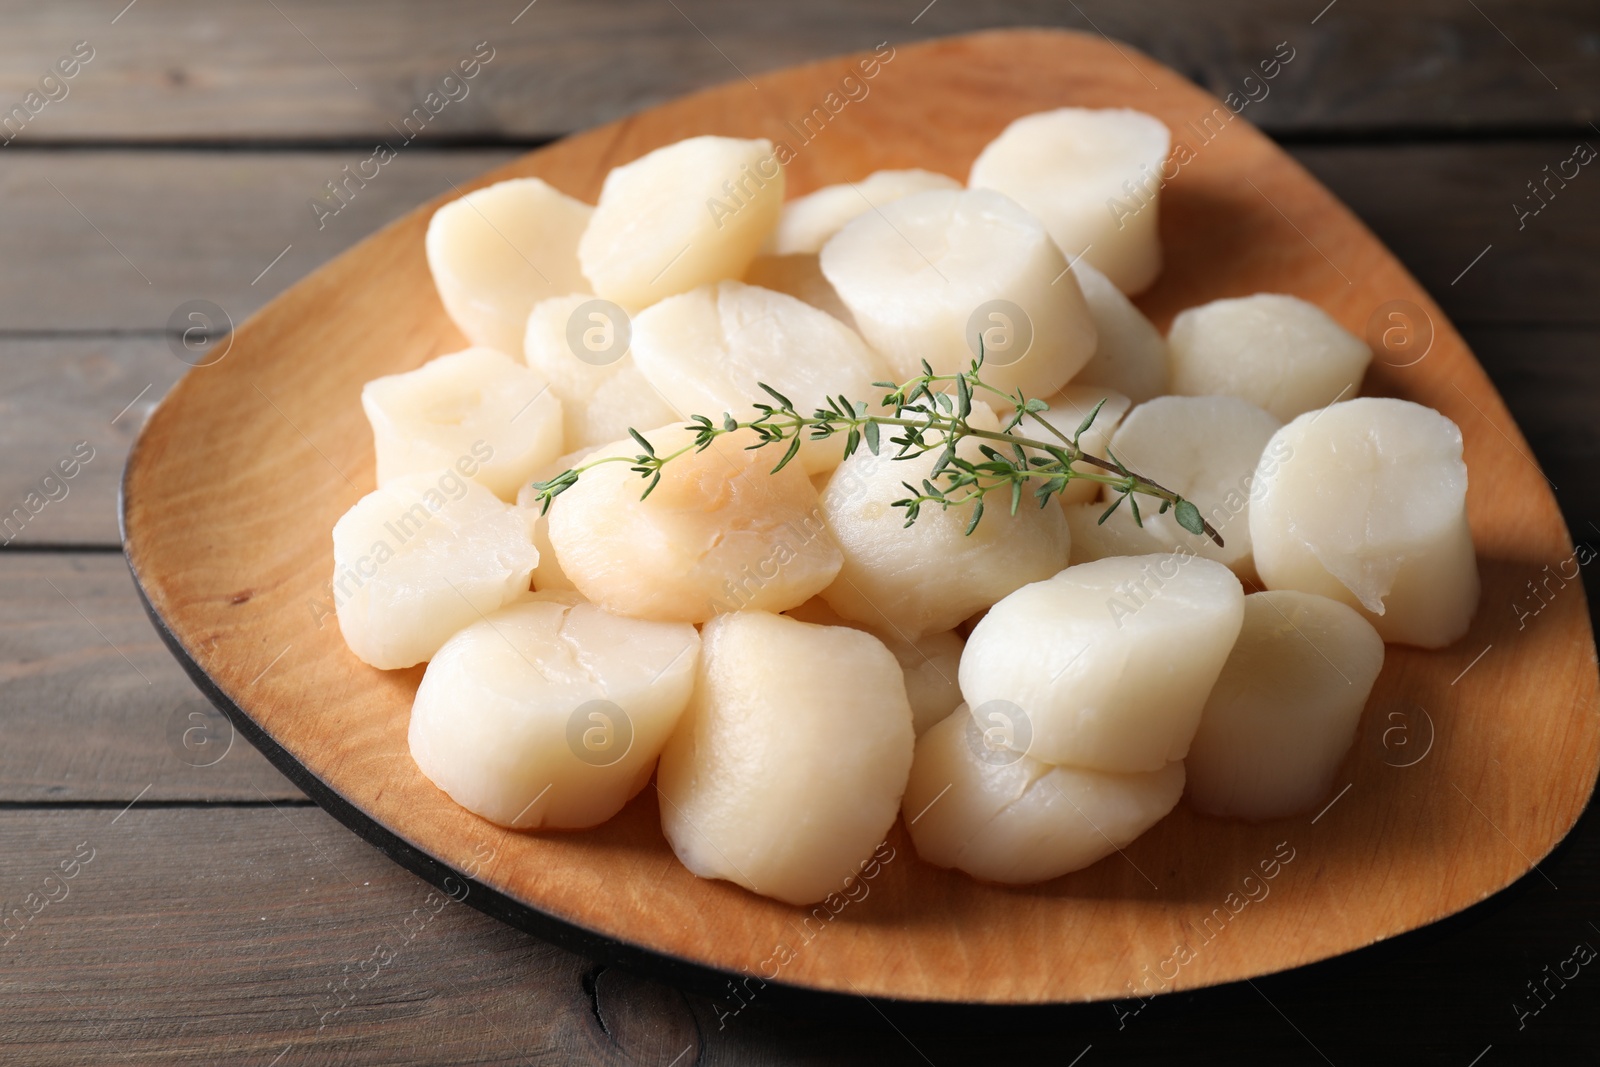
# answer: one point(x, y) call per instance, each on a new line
point(1472, 763)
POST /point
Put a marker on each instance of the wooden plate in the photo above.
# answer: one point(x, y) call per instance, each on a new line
point(1472, 763)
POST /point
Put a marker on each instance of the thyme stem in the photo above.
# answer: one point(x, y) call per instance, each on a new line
point(929, 420)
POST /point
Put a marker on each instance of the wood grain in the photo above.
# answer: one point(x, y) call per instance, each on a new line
point(150, 944)
point(1550, 378)
point(1445, 205)
point(177, 226)
point(58, 393)
point(1489, 789)
point(185, 69)
point(94, 707)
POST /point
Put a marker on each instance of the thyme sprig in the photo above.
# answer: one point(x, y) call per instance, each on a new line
point(931, 414)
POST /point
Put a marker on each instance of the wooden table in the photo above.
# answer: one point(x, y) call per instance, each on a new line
point(190, 905)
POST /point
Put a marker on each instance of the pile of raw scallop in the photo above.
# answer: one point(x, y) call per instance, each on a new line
point(797, 667)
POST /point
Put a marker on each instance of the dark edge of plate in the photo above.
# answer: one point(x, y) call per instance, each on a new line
point(781, 996)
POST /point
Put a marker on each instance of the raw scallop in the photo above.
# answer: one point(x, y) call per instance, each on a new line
point(932, 276)
point(719, 533)
point(931, 575)
point(421, 557)
point(575, 343)
point(1204, 448)
point(808, 221)
point(1011, 819)
point(1284, 710)
point(709, 351)
point(1108, 663)
point(476, 409)
point(1093, 177)
point(497, 251)
point(1366, 502)
point(1278, 352)
point(690, 213)
point(788, 767)
point(550, 713)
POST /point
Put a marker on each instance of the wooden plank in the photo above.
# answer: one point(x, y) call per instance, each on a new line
point(205, 225)
point(1550, 380)
point(65, 398)
point(1441, 207)
point(95, 708)
point(184, 69)
point(136, 235)
point(240, 935)
point(245, 934)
